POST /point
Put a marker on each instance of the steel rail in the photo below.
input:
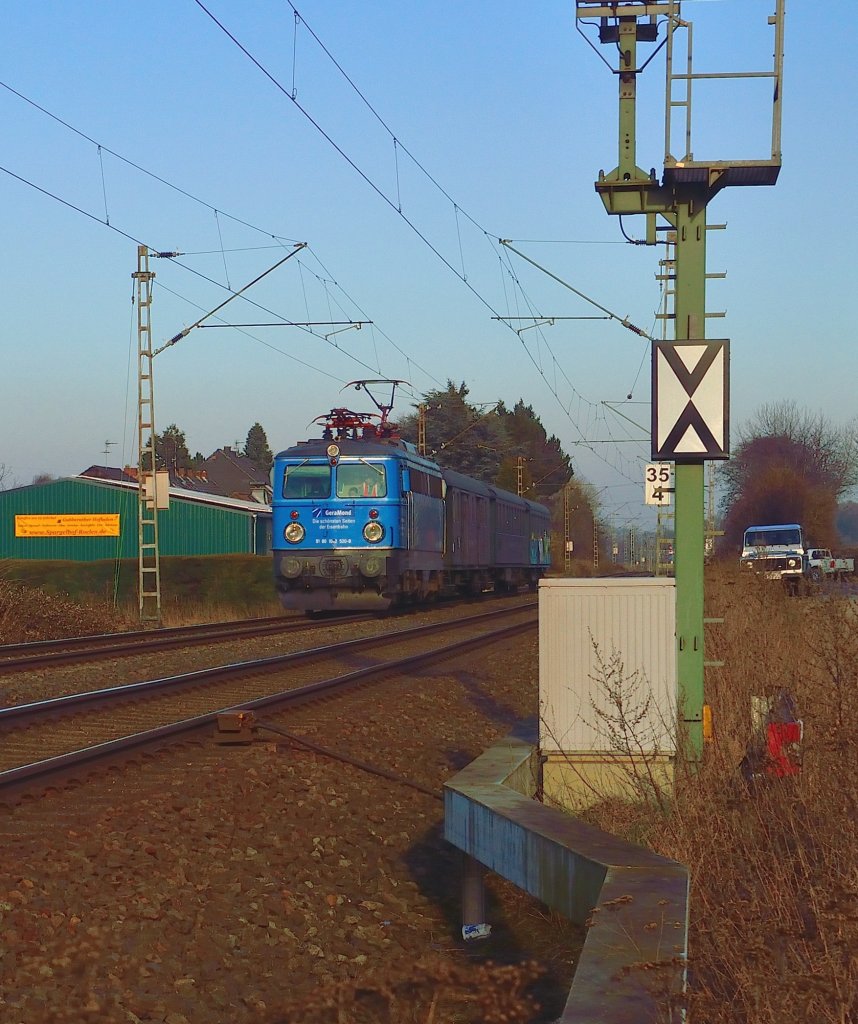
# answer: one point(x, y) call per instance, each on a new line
point(268, 664)
point(39, 771)
point(129, 635)
point(21, 657)
point(40, 653)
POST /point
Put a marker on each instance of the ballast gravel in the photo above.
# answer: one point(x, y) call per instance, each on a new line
point(271, 884)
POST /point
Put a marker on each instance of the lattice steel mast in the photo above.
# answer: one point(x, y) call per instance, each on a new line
point(148, 560)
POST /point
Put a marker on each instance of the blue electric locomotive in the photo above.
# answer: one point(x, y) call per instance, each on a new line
point(362, 521)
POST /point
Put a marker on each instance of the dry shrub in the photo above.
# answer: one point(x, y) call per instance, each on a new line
point(28, 614)
point(774, 864)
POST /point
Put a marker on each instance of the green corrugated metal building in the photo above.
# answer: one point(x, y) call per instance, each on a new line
point(194, 524)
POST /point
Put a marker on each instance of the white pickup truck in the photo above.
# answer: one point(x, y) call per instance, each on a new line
point(822, 563)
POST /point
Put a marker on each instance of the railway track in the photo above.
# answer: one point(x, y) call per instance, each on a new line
point(46, 740)
point(45, 653)
point(237, 865)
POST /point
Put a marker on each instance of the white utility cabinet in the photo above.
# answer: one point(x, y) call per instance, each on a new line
point(607, 666)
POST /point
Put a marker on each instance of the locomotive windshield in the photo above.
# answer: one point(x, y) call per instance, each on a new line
point(361, 480)
point(307, 481)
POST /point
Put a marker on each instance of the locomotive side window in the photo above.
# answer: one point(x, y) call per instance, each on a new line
point(361, 480)
point(306, 481)
point(423, 483)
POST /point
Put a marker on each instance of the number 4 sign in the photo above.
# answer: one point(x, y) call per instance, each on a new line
point(657, 483)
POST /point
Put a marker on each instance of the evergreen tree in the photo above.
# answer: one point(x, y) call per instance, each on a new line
point(460, 436)
point(544, 463)
point(256, 449)
point(171, 449)
point(492, 444)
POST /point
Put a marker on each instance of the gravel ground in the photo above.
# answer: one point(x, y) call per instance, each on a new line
point(271, 884)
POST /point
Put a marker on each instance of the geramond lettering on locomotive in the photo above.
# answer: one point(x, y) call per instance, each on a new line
point(362, 521)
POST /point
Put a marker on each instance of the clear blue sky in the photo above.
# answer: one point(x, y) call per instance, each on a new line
point(510, 112)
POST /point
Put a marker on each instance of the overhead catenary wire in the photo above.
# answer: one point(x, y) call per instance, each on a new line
point(280, 239)
point(296, 323)
point(288, 355)
point(621, 469)
point(184, 333)
point(112, 227)
point(623, 321)
point(382, 195)
point(274, 348)
point(131, 163)
point(409, 360)
point(392, 203)
point(374, 326)
point(124, 234)
point(399, 145)
point(537, 359)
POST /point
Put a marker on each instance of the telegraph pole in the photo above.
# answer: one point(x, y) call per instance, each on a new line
point(686, 432)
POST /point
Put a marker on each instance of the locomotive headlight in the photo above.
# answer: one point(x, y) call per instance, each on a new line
point(291, 568)
point(373, 532)
point(294, 533)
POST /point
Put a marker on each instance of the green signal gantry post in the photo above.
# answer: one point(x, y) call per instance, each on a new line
point(681, 199)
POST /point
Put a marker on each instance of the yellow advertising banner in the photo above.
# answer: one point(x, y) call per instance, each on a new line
point(94, 525)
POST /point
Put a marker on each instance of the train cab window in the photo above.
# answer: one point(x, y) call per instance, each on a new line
point(306, 481)
point(361, 480)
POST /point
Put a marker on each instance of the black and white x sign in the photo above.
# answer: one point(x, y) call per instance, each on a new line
point(690, 408)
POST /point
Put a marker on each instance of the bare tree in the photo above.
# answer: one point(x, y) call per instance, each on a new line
point(830, 453)
point(790, 465)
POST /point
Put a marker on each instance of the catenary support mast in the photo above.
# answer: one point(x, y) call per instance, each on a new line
point(148, 560)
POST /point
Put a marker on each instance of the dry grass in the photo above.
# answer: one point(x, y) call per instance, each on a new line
point(30, 613)
point(774, 908)
point(189, 612)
